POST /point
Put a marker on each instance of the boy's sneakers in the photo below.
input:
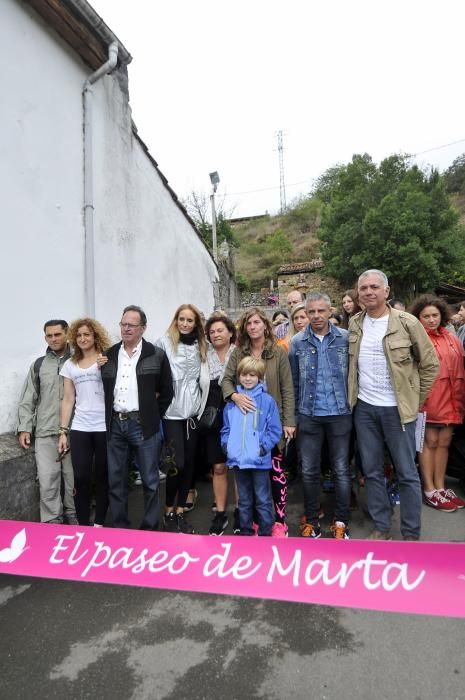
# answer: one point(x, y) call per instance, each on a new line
point(453, 498)
point(219, 524)
point(255, 529)
point(236, 522)
point(440, 502)
point(279, 530)
point(309, 530)
point(339, 530)
point(184, 525)
point(170, 522)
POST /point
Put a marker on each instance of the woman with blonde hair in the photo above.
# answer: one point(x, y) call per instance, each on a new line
point(83, 392)
point(186, 348)
point(298, 322)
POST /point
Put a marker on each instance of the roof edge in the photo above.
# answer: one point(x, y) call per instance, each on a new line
point(82, 28)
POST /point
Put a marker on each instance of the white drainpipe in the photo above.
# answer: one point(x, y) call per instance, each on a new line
point(107, 67)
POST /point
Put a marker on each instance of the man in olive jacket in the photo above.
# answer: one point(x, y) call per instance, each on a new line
point(392, 367)
point(39, 415)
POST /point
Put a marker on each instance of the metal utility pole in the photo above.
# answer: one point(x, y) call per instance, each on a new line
point(282, 186)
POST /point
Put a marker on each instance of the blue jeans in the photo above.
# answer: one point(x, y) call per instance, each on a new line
point(254, 488)
point(312, 431)
point(125, 433)
point(375, 426)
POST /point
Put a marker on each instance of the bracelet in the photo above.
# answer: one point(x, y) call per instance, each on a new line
point(63, 430)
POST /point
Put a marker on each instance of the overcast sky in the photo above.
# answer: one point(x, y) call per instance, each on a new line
point(211, 83)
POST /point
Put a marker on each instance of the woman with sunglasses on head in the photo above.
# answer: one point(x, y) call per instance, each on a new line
point(186, 348)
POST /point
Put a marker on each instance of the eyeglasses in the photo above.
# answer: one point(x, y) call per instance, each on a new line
point(130, 326)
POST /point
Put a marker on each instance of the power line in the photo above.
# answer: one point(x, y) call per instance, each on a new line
point(303, 182)
point(437, 148)
point(267, 189)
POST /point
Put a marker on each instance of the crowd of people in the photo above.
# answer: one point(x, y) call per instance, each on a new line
point(313, 388)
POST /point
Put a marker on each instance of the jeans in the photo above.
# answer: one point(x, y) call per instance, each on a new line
point(254, 488)
point(375, 426)
point(312, 431)
point(124, 433)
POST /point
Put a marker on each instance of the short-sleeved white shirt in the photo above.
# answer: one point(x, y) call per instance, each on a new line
point(89, 412)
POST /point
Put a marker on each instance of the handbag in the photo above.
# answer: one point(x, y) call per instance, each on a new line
point(210, 418)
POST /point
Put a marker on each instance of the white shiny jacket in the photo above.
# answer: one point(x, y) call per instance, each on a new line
point(191, 380)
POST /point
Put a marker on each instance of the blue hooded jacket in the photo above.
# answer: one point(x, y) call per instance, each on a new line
point(248, 439)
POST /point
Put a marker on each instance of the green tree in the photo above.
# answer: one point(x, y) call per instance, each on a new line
point(455, 175)
point(395, 217)
point(224, 232)
point(242, 282)
point(304, 212)
point(278, 245)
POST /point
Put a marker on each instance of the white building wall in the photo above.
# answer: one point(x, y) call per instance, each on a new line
point(146, 252)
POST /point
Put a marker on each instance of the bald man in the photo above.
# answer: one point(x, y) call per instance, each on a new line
point(293, 298)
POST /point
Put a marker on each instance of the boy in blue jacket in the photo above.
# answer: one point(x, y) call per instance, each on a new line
point(248, 440)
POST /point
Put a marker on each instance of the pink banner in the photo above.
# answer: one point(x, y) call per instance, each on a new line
point(410, 577)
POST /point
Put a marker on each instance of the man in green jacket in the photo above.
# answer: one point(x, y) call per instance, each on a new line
point(392, 367)
point(39, 413)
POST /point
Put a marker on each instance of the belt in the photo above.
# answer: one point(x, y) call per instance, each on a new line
point(126, 415)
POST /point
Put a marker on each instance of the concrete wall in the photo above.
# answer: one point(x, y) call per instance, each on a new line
point(146, 251)
point(19, 490)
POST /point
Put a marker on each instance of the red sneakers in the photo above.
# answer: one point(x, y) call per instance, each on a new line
point(279, 530)
point(440, 502)
point(453, 498)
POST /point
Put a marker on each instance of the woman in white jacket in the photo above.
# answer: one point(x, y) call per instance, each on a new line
point(186, 348)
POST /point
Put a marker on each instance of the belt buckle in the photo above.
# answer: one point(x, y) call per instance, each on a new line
point(123, 416)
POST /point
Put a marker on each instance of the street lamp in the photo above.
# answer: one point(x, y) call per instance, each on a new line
point(215, 180)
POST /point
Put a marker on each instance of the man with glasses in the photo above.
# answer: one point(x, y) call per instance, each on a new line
point(138, 389)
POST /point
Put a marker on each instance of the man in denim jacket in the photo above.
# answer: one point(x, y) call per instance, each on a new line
point(319, 363)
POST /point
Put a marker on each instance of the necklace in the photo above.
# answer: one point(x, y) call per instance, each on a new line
point(376, 318)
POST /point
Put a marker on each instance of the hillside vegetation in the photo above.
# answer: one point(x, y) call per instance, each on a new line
point(263, 245)
point(395, 216)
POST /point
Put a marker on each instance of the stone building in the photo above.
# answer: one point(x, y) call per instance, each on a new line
point(307, 277)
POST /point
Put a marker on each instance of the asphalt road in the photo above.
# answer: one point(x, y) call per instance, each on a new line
point(79, 640)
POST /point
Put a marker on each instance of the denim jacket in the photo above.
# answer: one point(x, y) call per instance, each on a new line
point(303, 357)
